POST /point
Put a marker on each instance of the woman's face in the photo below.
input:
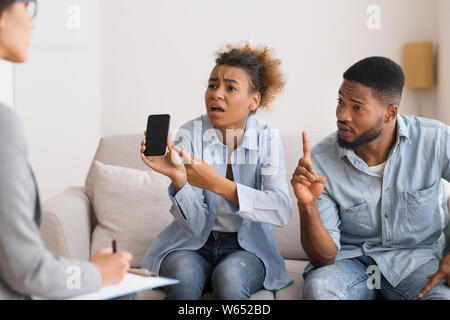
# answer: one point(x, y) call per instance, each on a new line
point(15, 30)
point(228, 98)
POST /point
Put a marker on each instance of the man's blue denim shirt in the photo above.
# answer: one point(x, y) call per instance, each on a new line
point(392, 218)
point(258, 165)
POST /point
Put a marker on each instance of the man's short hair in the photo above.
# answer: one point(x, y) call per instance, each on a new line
point(382, 75)
point(5, 4)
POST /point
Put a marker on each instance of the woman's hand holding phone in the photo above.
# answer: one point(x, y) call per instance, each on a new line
point(170, 165)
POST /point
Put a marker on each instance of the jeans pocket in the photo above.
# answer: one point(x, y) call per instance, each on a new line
point(420, 208)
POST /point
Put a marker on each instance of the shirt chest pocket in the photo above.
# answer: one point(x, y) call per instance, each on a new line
point(357, 220)
point(420, 208)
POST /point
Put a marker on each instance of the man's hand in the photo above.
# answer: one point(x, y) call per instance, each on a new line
point(112, 266)
point(307, 183)
point(442, 273)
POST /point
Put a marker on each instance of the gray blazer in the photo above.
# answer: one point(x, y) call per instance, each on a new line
point(26, 267)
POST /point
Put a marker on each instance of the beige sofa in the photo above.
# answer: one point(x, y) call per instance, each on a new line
point(68, 220)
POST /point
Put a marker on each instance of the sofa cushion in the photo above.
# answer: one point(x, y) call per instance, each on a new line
point(119, 150)
point(293, 291)
point(288, 238)
point(131, 206)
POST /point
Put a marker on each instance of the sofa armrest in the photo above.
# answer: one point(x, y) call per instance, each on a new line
point(66, 224)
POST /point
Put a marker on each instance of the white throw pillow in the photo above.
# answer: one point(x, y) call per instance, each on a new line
point(131, 206)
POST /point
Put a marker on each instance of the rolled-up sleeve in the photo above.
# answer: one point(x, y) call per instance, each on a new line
point(188, 208)
point(329, 214)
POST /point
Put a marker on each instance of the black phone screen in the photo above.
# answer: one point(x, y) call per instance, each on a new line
point(157, 132)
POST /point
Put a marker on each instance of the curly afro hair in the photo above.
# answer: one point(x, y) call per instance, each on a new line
point(382, 75)
point(260, 64)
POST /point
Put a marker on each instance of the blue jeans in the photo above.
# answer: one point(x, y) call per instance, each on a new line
point(349, 279)
point(220, 266)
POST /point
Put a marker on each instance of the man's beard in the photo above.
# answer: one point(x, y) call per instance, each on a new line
point(365, 138)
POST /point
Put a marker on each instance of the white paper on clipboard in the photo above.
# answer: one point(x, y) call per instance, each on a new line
point(131, 283)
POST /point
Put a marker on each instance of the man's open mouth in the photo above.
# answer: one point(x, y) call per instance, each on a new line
point(344, 130)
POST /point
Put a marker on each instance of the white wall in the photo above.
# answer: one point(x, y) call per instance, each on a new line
point(57, 94)
point(443, 90)
point(6, 83)
point(157, 55)
point(136, 57)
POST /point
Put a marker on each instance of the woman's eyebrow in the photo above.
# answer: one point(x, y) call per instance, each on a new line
point(231, 80)
point(225, 80)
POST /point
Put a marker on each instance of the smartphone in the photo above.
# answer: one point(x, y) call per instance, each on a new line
point(157, 133)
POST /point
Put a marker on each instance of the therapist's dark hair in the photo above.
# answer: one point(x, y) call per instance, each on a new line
point(262, 67)
point(5, 4)
point(382, 75)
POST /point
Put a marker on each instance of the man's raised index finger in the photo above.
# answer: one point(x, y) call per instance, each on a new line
point(306, 152)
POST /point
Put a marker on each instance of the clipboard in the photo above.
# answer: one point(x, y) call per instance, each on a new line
point(131, 283)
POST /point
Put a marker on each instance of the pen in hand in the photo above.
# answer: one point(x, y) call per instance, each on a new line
point(114, 246)
point(138, 271)
point(111, 263)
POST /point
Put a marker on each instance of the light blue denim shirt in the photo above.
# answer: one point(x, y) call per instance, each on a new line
point(392, 218)
point(259, 172)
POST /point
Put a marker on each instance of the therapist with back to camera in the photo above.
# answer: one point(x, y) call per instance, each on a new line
point(26, 267)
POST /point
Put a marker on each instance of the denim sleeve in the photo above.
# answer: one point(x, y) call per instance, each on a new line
point(189, 208)
point(272, 203)
point(189, 203)
point(446, 154)
point(329, 214)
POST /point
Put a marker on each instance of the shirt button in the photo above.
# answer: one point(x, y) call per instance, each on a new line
point(387, 189)
point(388, 241)
point(386, 215)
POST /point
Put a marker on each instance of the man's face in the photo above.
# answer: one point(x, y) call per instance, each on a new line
point(359, 115)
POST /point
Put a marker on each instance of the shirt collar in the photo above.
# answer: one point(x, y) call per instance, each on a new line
point(402, 131)
point(249, 141)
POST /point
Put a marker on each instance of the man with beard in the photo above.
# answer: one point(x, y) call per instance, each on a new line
point(368, 195)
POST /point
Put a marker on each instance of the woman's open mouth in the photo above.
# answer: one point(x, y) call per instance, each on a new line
point(216, 110)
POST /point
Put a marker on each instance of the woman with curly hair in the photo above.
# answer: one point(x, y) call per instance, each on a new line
point(228, 187)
